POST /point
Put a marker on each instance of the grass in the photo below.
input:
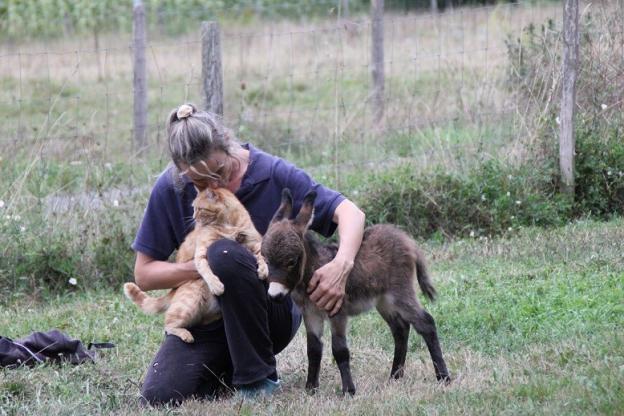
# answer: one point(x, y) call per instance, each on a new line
point(529, 322)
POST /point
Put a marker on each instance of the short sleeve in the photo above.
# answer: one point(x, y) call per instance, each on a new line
point(162, 229)
point(300, 183)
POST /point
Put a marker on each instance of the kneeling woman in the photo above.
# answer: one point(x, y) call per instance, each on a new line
point(239, 350)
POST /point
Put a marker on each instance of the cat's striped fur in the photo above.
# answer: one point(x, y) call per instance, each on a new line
point(218, 214)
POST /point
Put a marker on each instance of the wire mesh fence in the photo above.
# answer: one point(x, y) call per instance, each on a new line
point(301, 90)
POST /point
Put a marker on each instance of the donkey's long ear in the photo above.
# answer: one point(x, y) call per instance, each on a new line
point(285, 208)
point(306, 213)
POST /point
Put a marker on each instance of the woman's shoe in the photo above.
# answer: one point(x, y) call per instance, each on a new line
point(266, 387)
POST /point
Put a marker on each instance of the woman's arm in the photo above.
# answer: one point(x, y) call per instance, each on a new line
point(151, 274)
point(327, 286)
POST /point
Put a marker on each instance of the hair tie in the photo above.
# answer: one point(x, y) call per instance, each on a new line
point(184, 111)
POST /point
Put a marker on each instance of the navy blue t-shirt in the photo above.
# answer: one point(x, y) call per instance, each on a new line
point(168, 217)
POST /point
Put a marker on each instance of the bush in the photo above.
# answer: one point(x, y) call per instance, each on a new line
point(491, 199)
point(76, 250)
point(599, 171)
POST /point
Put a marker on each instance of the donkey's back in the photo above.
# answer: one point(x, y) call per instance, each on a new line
point(387, 261)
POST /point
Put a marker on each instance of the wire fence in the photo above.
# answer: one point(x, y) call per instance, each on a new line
point(300, 90)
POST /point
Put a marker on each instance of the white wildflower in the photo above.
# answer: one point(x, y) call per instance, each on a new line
point(509, 229)
point(483, 198)
point(72, 281)
point(510, 177)
point(518, 202)
point(22, 229)
point(508, 193)
point(1, 203)
point(472, 233)
point(108, 165)
point(604, 106)
point(16, 218)
point(115, 203)
point(608, 173)
point(513, 217)
point(557, 120)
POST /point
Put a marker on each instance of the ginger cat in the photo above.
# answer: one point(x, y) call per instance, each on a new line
point(218, 214)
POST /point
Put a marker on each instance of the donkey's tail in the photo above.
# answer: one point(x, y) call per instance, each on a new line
point(423, 279)
point(147, 303)
point(421, 273)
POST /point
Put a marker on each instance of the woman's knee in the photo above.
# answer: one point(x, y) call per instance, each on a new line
point(153, 395)
point(227, 259)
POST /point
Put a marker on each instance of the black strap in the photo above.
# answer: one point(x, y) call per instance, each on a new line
point(100, 345)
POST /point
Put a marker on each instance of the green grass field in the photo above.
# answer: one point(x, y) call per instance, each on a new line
point(530, 323)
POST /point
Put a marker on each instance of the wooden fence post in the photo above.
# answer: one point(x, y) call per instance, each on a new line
point(377, 61)
point(434, 6)
point(344, 9)
point(566, 117)
point(212, 71)
point(140, 76)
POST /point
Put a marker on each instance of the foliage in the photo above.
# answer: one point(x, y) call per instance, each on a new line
point(599, 172)
point(491, 199)
point(535, 61)
point(529, 324)
point(43, 18)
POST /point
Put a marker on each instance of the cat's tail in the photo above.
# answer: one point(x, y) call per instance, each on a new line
point(147, 303)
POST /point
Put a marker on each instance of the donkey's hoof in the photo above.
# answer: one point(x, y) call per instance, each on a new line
point(444, 379)
point(311, 389)
point(350, 390)
point(397, 374)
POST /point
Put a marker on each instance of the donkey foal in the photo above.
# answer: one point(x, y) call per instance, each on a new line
point(382, 276)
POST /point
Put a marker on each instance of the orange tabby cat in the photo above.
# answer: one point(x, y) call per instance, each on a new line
point(218, 214)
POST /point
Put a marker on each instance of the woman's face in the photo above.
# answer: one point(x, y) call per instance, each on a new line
point(211, 173)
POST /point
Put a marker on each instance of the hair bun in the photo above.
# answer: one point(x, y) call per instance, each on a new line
point(184, 111)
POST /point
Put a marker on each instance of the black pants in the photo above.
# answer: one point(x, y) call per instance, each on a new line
point(239, 349)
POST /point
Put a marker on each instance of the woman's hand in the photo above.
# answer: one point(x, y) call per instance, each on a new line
point(327, 286)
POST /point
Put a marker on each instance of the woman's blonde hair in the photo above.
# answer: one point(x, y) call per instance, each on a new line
point(193, 135)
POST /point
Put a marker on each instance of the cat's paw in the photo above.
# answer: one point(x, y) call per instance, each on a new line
point(216, 287)
point(263, 269)
point(181, 333)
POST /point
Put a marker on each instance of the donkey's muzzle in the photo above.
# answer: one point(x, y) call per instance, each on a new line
point(278, 291)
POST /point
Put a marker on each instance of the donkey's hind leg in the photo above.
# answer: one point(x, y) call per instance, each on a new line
point(400, 332)
point(340, 350)
point(425, 325)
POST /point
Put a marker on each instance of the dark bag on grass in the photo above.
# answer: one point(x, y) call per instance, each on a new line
point(51, 346)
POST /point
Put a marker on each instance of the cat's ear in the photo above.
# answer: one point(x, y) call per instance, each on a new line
point(306, 213)
point(285, 208)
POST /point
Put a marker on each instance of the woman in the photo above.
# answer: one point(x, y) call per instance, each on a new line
point(240, 349)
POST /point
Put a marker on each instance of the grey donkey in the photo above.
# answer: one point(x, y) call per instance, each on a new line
point(382, 276)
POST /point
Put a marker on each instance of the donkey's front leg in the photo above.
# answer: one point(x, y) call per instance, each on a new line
point(313, 321)
point(340, 350)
